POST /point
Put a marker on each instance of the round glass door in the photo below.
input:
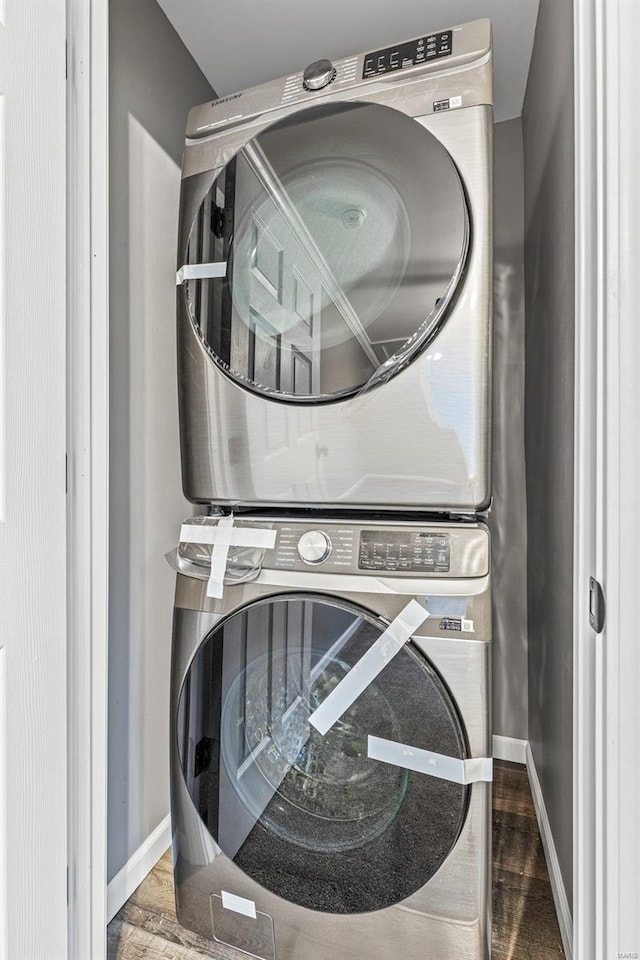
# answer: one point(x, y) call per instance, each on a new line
point(313, 818)
point(335, 240)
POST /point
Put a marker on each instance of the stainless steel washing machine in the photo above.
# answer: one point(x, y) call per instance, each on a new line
point(334, 283)
point(331, 742)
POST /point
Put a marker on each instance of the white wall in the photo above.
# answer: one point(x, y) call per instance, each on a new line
point(153, 83)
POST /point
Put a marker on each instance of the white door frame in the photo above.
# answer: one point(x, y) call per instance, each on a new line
point(607, 464)
point(588, 399)
point(88, 470)
point(618, 776)
point(607, 516)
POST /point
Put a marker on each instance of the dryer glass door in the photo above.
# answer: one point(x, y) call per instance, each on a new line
point(310, 817)
point(336, 240)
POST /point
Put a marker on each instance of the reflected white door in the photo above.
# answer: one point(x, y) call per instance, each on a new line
point(33, 668)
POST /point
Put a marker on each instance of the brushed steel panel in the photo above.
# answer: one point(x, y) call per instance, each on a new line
point(422, 440)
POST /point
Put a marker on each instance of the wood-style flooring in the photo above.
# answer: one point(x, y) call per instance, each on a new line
point(524, 920)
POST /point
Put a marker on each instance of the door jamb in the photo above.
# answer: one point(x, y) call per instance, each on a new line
point(607, 464)
point(87, 470)
point(618, 776)
point(587, 476)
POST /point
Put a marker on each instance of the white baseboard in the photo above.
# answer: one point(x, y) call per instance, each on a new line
point(508, 748)
point(137, 867)
point(553, 864)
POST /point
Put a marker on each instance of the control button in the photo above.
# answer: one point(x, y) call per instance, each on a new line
point(318, 75)
point(314, 546)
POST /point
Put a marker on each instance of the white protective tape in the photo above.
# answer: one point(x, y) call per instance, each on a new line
point(201, 271)
point(433, 764)
point(221, 537)
point(231, 901)
point(368, 666)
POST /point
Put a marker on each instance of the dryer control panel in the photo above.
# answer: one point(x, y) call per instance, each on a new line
point(458, 47)
point(410, 54)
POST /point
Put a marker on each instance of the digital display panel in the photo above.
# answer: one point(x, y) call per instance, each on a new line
point(414, 552)
point(409, 54)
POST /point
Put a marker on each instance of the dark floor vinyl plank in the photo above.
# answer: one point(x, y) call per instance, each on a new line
point(525, 926)
point(127, 941)
point(162, 926)
point(517, 846)
point(511, 791)
point(156, 890)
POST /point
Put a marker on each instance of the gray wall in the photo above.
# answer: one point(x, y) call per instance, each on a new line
point(508, 521)
point(549, 291)
point(153, 83)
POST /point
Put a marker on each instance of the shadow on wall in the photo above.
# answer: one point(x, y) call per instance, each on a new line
point(146, 493)
point(508, 519)
point(550, 477)
point(152, 85)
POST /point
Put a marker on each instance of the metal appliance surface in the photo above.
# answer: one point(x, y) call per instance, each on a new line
point(290, 844)
point(335, 274)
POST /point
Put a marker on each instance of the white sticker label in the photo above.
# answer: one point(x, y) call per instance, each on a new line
point(230, 901)
point(455, 102)
point(467, 626)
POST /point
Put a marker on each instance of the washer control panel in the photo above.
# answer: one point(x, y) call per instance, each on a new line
point(410, 551)
point(382, 548)
point(333, 549)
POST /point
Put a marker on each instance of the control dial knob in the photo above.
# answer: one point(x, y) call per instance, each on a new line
point(318, 75)
point(314, 546)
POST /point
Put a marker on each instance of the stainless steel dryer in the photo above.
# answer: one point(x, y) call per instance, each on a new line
point(365, 834)
point(334, 283)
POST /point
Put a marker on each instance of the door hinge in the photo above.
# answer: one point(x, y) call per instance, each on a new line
point(597, 606)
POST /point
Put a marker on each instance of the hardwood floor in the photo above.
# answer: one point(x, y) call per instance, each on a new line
point(525, 926)
point(524, 920)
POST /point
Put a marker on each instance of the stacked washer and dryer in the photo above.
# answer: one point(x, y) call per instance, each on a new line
point(330, 692)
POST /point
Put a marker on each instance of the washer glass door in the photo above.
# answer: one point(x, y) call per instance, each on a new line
point(337, 238)
point(311, 817)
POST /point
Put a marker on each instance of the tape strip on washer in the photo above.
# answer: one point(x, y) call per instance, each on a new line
point(201, 271)
point(221, 537)
point(368, 666)
point(433, 764)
